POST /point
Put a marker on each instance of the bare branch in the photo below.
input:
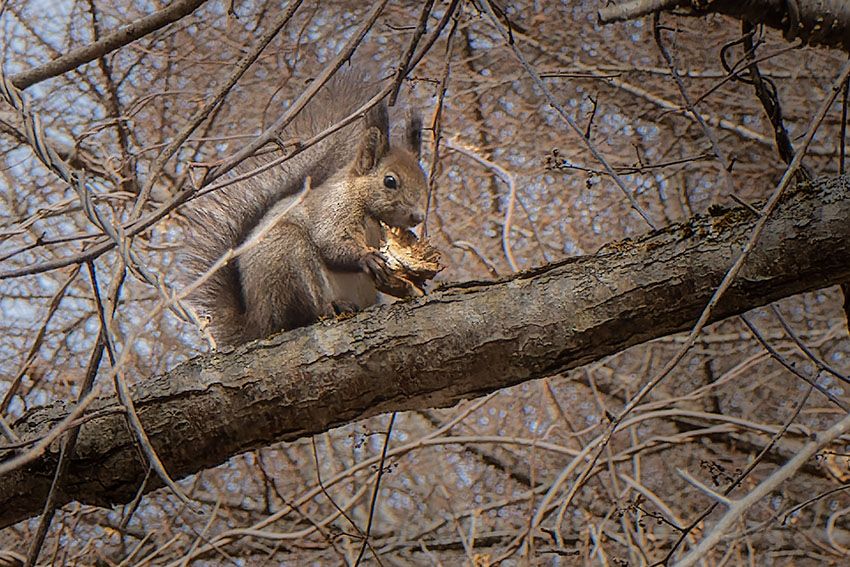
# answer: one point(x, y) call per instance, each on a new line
point(533, 325)
point(815, 22)
point(115, 40)
point(739, 507)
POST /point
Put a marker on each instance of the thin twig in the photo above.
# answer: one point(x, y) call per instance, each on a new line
point(790, 367)
point(299, 103)
point(569, 119)
point(725, 166)
point(37, 342)
point(119, 38)
point(819, 362)
point(730, 276)
point(213, 103)
point(403, 67)
point(375, 491)
point(688, 531)
point(768, 485)
point(510, 180)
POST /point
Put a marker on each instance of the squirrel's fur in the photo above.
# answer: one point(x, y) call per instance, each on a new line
point(320, 256)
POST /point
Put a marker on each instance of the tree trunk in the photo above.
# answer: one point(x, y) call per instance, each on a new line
point(460, 342)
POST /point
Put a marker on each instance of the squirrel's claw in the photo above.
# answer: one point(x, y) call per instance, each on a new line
point(374, 264)
point(344, 308)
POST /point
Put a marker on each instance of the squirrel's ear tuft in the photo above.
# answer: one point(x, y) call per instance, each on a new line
point(378, 117)
point(373, 146)
point(413, 134)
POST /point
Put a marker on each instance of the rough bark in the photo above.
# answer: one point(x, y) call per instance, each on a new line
point(460, 342)
point(814, 22)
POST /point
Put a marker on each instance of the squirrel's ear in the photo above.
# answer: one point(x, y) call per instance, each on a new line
point(413, 134)
point(373, 146)
point(378, 117)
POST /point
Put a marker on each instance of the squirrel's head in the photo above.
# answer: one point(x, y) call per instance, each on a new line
point(397, 187)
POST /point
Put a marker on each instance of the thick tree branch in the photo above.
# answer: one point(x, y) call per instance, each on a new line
point(110, 42)
point(457, 343)
point(815, 22)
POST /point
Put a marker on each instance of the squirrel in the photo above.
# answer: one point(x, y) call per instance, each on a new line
point(316, 256)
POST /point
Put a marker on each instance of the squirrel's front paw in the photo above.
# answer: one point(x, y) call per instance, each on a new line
point(374, 264)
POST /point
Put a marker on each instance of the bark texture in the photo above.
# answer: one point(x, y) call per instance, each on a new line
point(814, 22)
point(460, 342)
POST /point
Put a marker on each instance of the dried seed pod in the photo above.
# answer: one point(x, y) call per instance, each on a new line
point(411, 261)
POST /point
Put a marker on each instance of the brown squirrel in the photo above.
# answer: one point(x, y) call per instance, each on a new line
point(314, 257)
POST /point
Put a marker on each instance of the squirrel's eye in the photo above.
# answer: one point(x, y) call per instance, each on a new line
point(390, 182)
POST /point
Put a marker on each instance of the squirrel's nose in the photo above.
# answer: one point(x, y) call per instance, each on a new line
point(417, 217)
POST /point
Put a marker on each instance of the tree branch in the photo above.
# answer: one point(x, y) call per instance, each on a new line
point(459, 342)
point(115, 40)
point(815, 22)
point(737, 508)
